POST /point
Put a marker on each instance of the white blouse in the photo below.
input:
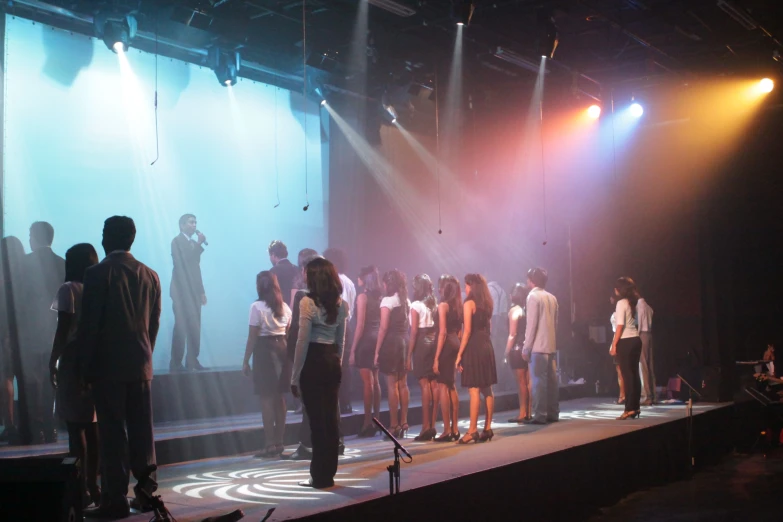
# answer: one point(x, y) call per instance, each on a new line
point(625, 317)
point(426, 319)
point(263, 317)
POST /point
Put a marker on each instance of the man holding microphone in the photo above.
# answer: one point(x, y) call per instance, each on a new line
point(187, 294)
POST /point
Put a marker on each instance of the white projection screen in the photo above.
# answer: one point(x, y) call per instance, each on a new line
point(80, 140)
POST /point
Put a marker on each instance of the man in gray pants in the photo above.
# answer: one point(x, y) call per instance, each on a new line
point(540, 348)
point(644, 314)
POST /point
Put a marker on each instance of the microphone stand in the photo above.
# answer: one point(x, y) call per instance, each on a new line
point(394, 469)
point(689, 409)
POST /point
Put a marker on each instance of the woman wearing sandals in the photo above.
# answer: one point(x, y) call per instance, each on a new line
point(449, 328)
point(269, 317)
point(517, 322)
point(391, 348)
point(421, 352)
point(365, 339)
point(476, 357)
point(627, 345)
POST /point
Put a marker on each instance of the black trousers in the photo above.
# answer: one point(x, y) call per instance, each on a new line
point(125, 428)
point(320, 385)
point(187, 331)
point(36, 398)
point(629, 351)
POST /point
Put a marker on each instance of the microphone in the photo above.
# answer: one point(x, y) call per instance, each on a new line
point(306, 207)
point(205, 242)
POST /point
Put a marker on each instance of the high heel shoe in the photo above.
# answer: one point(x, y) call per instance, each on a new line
point(425, 435)
point(455, 436)
point(404, 430)
point(486, 435)
point(367, 432)
point(629, 415)
point(446, 437)
point(397, 432)
point(469, 437)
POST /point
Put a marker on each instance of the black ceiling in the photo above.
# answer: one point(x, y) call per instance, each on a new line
point(602, 43)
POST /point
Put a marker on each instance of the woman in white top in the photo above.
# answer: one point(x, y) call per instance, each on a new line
point(620, 384)
point(627, 346)
point(269, 317)
point(421, 352)
point(74, 402)
point(392, 345)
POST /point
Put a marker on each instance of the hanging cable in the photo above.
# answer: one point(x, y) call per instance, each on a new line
point(277, 171)
point(543, 166)
point(157, 143)
point(304, 95)
point(437, 150)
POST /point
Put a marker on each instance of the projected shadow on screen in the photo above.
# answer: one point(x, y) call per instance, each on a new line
point(66, 55)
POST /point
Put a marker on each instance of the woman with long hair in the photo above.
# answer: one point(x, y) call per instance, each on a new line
point(11, 265)
point(421, 352)
point(269, 318)
point(317, 366)
point(74, 401)
point(390, 356)
point(365, 339)
point(476, 357)
point(444, 367)
point(627, 345)
point(517, 322)
point(613, 322)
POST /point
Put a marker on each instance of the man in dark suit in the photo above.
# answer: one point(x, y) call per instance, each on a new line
point(187, 294)
point(282, 267)
point(117, 332)
point(44, 272)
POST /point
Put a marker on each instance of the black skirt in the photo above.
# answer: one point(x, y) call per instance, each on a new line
point(271, 366)
point(424, 354)
point(515, 359)
point(364, 357)
point(447, 360)
point(391, 359)
point(478, 361)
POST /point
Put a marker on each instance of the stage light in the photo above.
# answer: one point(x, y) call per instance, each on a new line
point(636, 110)
point(225, 64)
point(389, 113)
point(464, 12)
point(594, 111)
point(116, 30)
point(323, 103)
point(766, 85)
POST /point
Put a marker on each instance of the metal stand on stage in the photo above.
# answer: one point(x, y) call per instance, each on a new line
point(394, 469)
point(689, 409)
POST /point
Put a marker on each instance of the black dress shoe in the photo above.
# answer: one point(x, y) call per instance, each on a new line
point(195, 366)
point(315, 485)
point(108, 512)
point(533, 421)
point(301, 453)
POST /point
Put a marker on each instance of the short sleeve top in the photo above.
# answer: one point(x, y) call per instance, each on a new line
point(69, 300)
point(263, 317)
point(625, 317)
point(426, 316)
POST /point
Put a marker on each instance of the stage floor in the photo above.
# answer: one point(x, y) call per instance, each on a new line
point(195, 490)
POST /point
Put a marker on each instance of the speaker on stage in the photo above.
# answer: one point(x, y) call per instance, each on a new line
point(40, 488)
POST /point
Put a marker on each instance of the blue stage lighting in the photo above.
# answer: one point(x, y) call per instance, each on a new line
point(636, 110)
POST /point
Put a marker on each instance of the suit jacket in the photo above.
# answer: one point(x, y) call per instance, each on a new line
point(186, 282)
point(44, 272)
point(286, 273)
point(120, 320)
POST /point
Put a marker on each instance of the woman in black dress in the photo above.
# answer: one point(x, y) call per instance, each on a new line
point(421, 352)
point(368, 321)
point(74, 401)
point(449, 328)
point(476, 358)
point(392, 345)
point(517, 322)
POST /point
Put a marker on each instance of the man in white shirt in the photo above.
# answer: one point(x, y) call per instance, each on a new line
point(644, 313)
point(540, 348)
point(337, 258)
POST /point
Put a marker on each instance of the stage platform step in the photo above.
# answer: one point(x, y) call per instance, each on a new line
point(225, 435)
